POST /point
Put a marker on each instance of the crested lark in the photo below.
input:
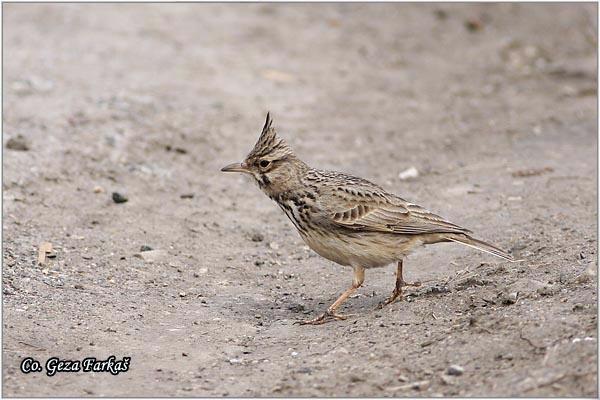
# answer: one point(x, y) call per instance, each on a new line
point(347, 219)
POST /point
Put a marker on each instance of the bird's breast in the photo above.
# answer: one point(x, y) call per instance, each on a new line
point(296, 213)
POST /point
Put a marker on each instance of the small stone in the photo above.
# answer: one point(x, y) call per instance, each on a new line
point(17, 143)
point(274, 246)
point(152, 255)
point(589, 274)
point(440, 14)
point(235, 361)
point(40, 84)
point(98, 189)
point(21, 87)
point(182, 294)
point(473, 25)
point(578, 307)
point(410, 173)
point(455, 370)
point(187, 196)
point(420, 385)
point(509, 298)
point(145, 247)
point(119, 198)
point(184, 354)
point(546, 290)
point(257, 237)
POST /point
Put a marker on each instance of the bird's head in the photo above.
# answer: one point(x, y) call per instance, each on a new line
point(271, 162)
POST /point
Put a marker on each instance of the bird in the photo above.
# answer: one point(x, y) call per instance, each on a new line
point(347, 219)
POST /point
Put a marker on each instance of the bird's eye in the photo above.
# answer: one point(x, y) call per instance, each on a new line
point(264, 163)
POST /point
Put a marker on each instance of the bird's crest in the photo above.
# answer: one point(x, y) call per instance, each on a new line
point(269, 143)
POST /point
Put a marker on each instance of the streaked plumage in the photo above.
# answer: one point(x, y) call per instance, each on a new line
point(344, 218)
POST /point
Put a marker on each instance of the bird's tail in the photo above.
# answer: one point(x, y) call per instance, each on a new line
point(480, 245)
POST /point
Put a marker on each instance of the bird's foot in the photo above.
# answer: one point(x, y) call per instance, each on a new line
point(327, 316)
point(395, 295)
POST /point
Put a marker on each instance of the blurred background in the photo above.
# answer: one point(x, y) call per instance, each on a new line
point(483, 113)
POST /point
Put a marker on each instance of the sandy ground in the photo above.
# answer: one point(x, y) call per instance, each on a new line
point(494, 105)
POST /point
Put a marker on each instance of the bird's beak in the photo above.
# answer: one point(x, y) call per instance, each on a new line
point(236, 167)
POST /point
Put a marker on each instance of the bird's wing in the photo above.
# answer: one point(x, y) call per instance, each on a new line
point(372, 209)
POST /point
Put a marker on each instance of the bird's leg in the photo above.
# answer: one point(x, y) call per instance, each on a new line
point(330, 314)
point(402, 281)
point(399, 283)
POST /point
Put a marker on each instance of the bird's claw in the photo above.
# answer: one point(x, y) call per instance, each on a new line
point(327, 316)
point(398, 293)
point(390, 300)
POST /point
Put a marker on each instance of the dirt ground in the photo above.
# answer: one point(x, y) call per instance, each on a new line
point(494, 105)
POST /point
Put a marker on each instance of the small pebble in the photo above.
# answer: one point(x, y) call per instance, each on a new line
point(17, 143)
point(455, 370)
point(119, 198)
point(257, 237)
point(187, 196)
point(182, 294)
point(420, 385)
point(145, 247)
point(510, 298)
point(473, 25)
point(589, 274)
point(447, 380)
point(152, 256)
point(98, 189)
point(409, 173)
